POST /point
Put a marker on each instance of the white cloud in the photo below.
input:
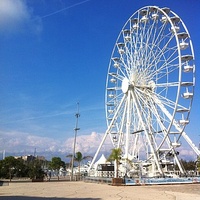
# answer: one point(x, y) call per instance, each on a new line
point(187, 154)
point(24, 143)
point(88, 144)
point(16, 16)
point(17, 142)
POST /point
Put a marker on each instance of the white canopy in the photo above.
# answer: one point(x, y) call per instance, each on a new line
point(102, 160)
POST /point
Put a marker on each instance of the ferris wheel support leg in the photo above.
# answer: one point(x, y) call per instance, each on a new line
point(172, 148)
point(97, 152)
point(189, 141)
point(178, 162)
point(147, 135)
point(162, 107)
point(106, 133)
point(127, 126)
point(120, 131)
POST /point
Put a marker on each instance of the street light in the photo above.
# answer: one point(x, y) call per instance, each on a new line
point(77, 115)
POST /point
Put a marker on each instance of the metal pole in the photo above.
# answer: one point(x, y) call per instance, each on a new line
point(77, 115)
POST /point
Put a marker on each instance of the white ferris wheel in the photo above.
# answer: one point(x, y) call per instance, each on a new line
point(150, 87)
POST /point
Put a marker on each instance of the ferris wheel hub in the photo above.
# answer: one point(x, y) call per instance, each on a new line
point(152, 85)
point(125, 85)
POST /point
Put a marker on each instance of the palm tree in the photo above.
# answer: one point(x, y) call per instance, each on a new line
point(79, 158)
point(115, 156)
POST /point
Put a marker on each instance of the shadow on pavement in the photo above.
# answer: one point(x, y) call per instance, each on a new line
point(42, 198)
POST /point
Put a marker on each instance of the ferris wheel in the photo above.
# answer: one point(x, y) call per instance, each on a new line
point(150, 87)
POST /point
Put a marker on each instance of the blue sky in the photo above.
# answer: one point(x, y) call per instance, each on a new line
point(55, 53)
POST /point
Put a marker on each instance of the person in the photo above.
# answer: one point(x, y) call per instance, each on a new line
point(49, 175)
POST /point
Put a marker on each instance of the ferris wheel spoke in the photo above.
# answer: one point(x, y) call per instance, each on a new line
point(159, 35)
point(175, 124)
point(169, 103)
point(115, 76)
point(165, 101)
point(163, 45)
point(117, 112)
point(168, 65)
point(159, 50)
point(122, 71)
point(164, 73)
point(171, 84)
point(166, 115)
point(149, 104)
point(149, 118)
point(161, 54)
point(160, 121)
point(152, 33)
point(121, 125)
point(170, 60)
point(163, 128)
point(125, 68)
point(153, 45)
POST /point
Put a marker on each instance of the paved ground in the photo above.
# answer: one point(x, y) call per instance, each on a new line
point(79, 190)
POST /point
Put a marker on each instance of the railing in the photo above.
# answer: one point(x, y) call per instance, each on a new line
point(98, 179)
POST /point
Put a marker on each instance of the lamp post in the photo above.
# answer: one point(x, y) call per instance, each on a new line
point(77, 115)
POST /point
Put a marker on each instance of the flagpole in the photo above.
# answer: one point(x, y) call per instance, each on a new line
point(77, 115)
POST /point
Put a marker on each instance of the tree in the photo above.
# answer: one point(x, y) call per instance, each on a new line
point(56, 163)
point(198, 164)
point(188, 165)
point(8, 167)
point(21, 169)
point(79, 158)
point(116, 156)
point(35, 170)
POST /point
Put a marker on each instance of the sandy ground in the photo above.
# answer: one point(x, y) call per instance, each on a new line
point(94, 191)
